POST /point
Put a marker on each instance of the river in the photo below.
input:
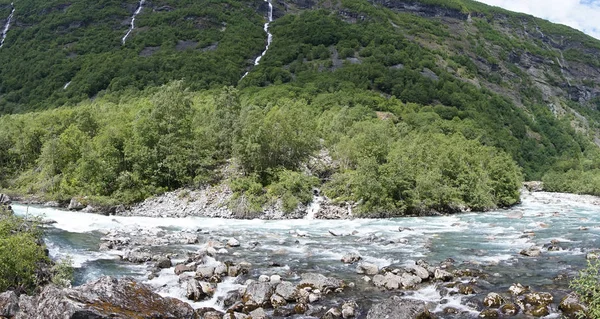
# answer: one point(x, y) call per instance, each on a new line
point(488, 241)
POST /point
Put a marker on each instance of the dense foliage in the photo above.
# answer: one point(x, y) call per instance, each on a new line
point(415, 112)
point(586, 287)
point(21, 255)
point(129, 149)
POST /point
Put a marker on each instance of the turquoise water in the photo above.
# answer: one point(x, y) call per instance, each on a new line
point(488, 241)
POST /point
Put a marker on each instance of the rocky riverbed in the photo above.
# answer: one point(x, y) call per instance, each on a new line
point(497, 264)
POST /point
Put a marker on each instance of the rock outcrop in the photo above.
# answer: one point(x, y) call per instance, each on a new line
point(104, 298)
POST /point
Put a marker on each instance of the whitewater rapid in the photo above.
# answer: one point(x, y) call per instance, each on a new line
point(488, 241)
point(132, 25)
point(7, 25)
point(269, 35)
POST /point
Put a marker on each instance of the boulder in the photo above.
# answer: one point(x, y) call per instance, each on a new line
point(163, 262)
point(531, 252)
point(538, 311)
point(398, 308)
point(205, 271)
point(349, 309)
point(232, 242)
point(518, 289)
point(180, 269)
point(538, 298)
point(287, 291)
point(419, 271)
point(75, 204)
point(105, 298)
point(332, 313)
point(318, 281)
point(258, 314)
point(275, 279)
point(440, 274)
point(351, 258)
point(9, 303)
point(367, 269)
point(493, 300)
point(409, 280)
point(278, 301)
point(509, 309)
point(572, 307)
point(137, 257)
point(257, 294)
point(198, 290)
point(388, 281)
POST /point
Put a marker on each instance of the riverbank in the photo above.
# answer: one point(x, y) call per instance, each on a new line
point(214, 201)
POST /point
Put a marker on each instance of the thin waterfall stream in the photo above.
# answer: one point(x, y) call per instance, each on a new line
point(132, 25)
point(7, 25)
point(269, 36)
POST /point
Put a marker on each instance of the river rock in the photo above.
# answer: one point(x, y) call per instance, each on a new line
point(409, 280)
point(205, 272)
point(489, 313)
point(258, 314)
point(440, 274)
point(398, 308)
point(180, 269)
point(538, 298)
point(264, 278)
point(9, 303)
point(257, 294)
point(466, 289)
point(518, 289)
point(75, 204)
point(332, 313)
point(232, 242)
point(163, 262)
point(318, 281)
point(538, 311)
point(531, 252)
point(493, 300)
point(221, 269)
point(571, 306)
point(277, 301)
point(199, 290)
point(388, 281)
point(419, 271)
point(509, 309)
point(137, 257)
point(349, 309)
point(275, 279)
point(104, 298)
point(287, 291)
point(351, 258)
point(367, 269)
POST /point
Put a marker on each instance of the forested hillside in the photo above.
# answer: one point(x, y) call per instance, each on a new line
point(399, 106)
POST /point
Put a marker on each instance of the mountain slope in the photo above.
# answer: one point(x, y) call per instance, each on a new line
point(361, 81)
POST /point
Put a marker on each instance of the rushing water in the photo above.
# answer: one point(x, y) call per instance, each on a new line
point(269, 35)
point(7, 25)
point(132, 25)
point(488, 241)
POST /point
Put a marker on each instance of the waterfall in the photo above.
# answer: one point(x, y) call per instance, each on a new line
point(132, 25)
point(7, 25)
point(269, 35)
point(314, 207)
point(66, 85)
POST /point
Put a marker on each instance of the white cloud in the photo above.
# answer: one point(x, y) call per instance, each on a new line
point(583, 15)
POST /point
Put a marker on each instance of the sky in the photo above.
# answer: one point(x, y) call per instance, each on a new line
point(583, 15)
